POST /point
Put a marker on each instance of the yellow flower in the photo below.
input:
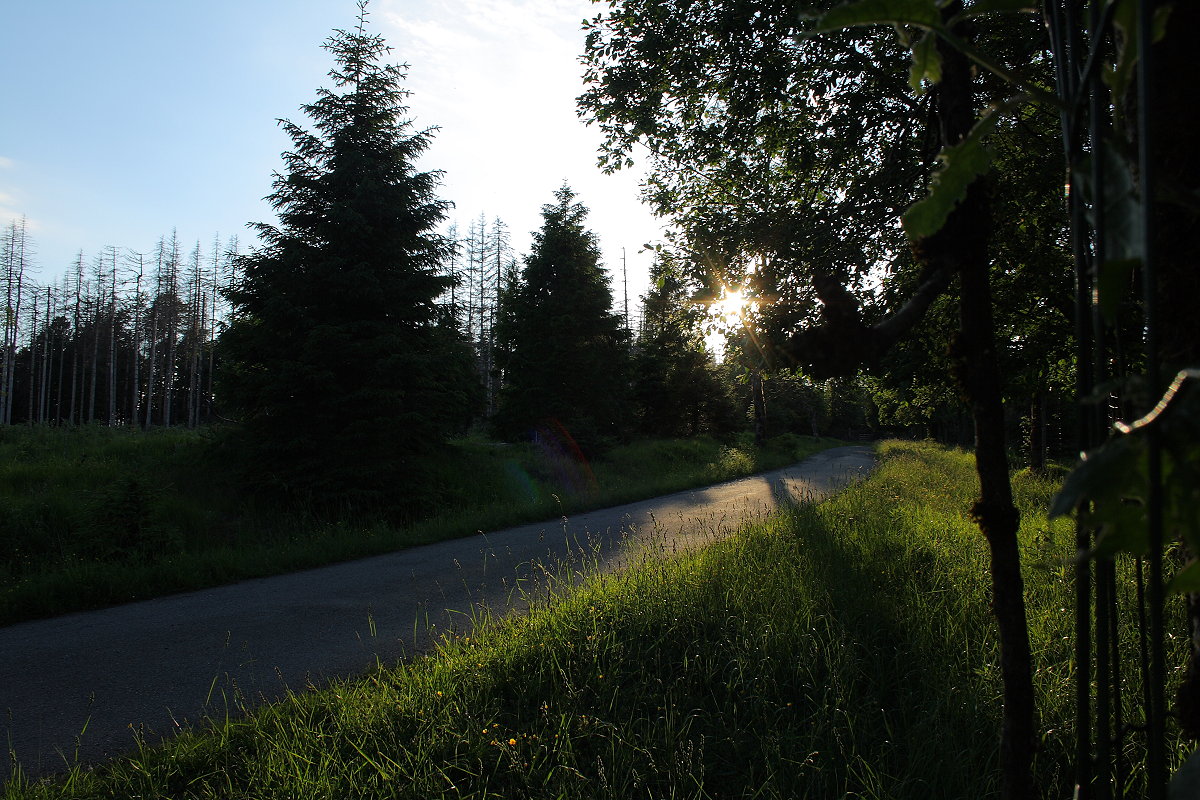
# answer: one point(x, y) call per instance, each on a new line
point(511, 742)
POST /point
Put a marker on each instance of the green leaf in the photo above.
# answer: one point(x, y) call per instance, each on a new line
point(1122, 209)
point(1185, 581)
point(1123, 526)
point(961, 164)
point(927, 62)
point(922, 13)
point(1101, 472)
point(1125, 19)
point(1122, 223)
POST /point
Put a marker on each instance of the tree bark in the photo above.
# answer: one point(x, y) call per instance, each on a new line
point(963, 242)
point(759, 398)
point(999, 521)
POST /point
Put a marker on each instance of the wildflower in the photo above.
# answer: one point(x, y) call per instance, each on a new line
point(512, 742)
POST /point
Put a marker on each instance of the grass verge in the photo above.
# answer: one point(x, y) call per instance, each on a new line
point(838, 650)
point(99, 516)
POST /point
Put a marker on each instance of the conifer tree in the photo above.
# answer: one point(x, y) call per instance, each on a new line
point(336, 360)
point(564, 354)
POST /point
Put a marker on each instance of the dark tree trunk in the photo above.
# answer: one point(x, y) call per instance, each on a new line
point(999, 521)
point(963, 244)
point(1037, 433)
point(760, 408)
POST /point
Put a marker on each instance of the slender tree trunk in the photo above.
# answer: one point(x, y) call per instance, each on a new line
point(135, 347)
point(193, 350)
point(15, 255)
point(112, 342)
point(91, 414)
point(71, 419)
point(64, 338)
point(47, 356)
point(157, 310)
point(1037, 432)
point(759, 399)
point(34, 371)
point(169, 365)
point(963, 242)
point(999, 521)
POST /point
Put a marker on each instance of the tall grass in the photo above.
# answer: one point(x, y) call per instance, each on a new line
point(95, 516)
point(838, 650)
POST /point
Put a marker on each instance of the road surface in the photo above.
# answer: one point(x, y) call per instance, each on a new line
point(79, 687)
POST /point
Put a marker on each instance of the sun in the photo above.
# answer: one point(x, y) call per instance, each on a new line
point(732, 306)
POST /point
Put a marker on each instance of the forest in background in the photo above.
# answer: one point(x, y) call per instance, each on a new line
point(129, 339)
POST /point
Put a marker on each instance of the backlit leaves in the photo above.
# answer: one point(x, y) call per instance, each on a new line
point(1108, 490)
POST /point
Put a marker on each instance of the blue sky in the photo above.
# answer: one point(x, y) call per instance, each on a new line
point(125, 119)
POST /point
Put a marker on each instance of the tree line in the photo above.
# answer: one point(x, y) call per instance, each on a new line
point(124, 338)
point(129, 338)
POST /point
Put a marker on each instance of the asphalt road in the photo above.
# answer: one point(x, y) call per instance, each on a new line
point(79, 687)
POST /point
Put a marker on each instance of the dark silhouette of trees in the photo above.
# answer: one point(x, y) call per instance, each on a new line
point(340, 366)
point(797, 144)
point(563, 353)
point(678, 388)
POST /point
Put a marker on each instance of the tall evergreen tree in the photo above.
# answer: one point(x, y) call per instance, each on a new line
point(336, 356)
point(564, 354)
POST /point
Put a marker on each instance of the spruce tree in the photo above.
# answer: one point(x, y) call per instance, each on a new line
point(564, 354)
point(336, 358)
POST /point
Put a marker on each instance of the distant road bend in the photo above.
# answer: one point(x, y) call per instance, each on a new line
point(156, 665)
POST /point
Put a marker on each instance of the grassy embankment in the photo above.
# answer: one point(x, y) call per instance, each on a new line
point(97, 516)
point(842, 650)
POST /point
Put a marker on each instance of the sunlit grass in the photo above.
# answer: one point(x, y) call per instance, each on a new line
point(838, 650)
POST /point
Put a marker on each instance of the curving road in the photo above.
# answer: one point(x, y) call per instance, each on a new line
point(79, 687)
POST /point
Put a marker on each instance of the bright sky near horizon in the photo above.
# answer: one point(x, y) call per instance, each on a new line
point(126, 119)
